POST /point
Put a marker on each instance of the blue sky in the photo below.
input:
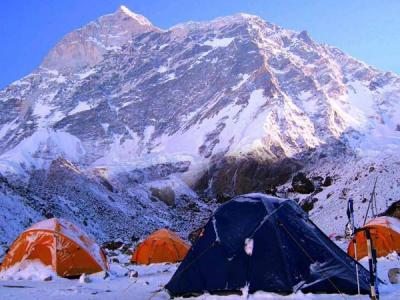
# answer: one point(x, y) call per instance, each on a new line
point(366, 29)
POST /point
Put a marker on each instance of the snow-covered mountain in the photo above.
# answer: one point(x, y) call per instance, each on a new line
point(222, 107)
point(86, 46)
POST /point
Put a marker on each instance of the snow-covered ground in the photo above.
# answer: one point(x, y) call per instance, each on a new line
point(149, 285)
point(354, 178)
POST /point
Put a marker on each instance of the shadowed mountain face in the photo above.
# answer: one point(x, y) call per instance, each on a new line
point(240, 102)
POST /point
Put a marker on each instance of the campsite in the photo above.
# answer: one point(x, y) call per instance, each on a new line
point(199, 149)
point(254, 246)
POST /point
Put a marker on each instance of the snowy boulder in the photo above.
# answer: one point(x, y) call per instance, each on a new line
point(133, 274)
point(394, 275)
point(84, 279)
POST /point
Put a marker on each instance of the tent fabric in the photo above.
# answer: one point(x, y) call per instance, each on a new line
point(385, 236)
point(265, 244)
point(161, 246)
point(60, 244)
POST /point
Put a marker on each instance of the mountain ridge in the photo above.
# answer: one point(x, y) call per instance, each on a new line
point(241, 103)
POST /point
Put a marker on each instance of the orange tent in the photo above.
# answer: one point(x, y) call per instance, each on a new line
point(385, 236)
point(161, 246)
point(58, 243)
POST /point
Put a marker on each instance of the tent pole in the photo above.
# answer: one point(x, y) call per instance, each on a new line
point(369, 203)
point(355, 256)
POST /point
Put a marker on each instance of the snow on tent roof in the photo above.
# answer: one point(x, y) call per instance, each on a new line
point(385, 236)
point(391, 222)
point(72, 232)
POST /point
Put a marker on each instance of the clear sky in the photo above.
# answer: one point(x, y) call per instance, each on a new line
point(366, 29)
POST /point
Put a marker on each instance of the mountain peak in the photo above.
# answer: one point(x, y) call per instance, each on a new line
point(87, 45)
point(123, 10)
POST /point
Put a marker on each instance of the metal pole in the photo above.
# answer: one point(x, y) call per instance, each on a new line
point(369, 203)
point(355, 256)
point(373, 293)
point(366, 214)
point(375, 271)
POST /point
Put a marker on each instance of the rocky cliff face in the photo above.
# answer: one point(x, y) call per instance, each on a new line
point(241, 103)
point(87, 46)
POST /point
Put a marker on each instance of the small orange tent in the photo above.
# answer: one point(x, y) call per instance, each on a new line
point(161, 246)
point(385, 236)
point(60, 244)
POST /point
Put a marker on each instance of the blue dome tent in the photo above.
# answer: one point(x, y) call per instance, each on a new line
point(264, 243)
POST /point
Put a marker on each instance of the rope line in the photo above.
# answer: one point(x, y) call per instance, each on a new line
point(195, 259)
point(309, 257)
point(214, 243)
point(251, 236)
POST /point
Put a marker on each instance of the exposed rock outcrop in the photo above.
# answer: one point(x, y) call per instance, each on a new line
point(234, 176)
point(301, 184)
point(393, 210)
point(165, 194)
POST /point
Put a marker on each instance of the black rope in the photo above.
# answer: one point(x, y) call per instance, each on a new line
point(309, 257)
point(194, 260)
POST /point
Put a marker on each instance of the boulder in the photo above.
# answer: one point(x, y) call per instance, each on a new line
point(393, 210)
point(318, 180)
point(112, 245)
point(301, 184)
point(394, 275)
point(164, 194)
point(84, 279)
point(328, 181)
point(231, 176)
point(308, 203)
point(133, 274)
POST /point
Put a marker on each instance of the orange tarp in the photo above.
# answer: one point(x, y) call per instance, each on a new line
point(385, 236)
point(58, 243)
point(161, 246)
